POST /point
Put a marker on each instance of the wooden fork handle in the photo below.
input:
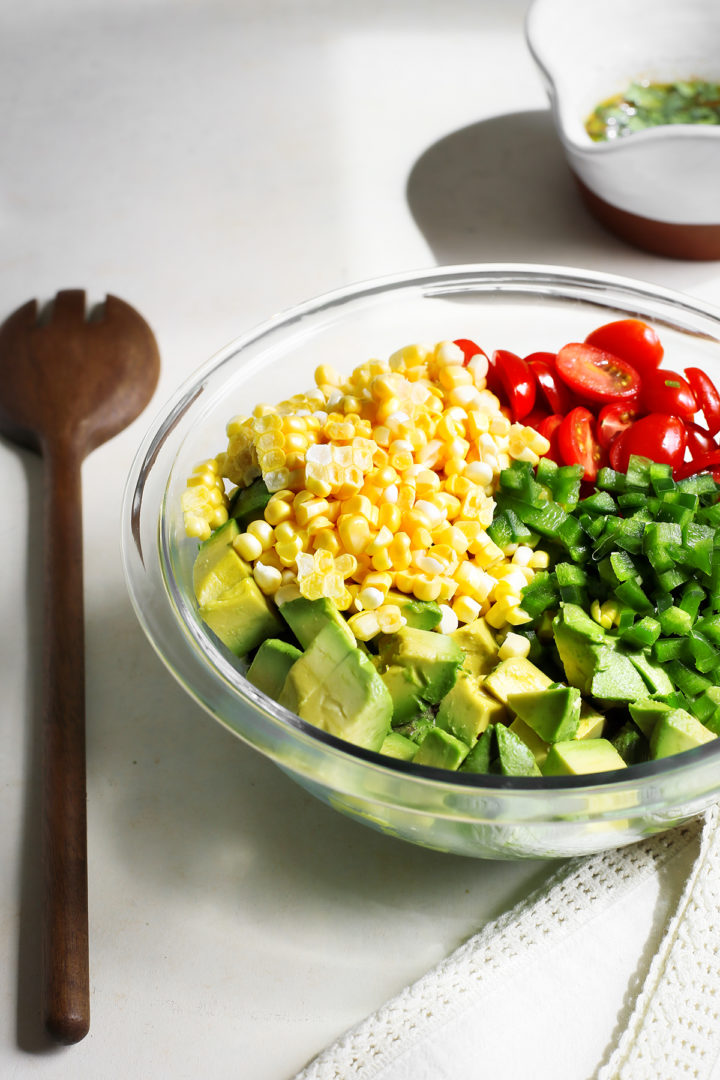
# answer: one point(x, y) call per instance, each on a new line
point(66, 982)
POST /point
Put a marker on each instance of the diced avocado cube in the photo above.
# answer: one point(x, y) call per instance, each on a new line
point(479, 758)
point(514, 757)
point(615, 677)
point(241, 617)
point(631, 744)
point(577, 757)
point(398, 746)
point(405, 694)
point(646, 713)
point(466, 710)
point(478, 643)
point(248, 503)
point(592, 723)
point(336, 687)
point(554, 714)
point(575, 619)
point(531, 739)
point(441, 749)
point(419, 614)
point(655, 678)
point(432, 660)
point(271, 665)
point(306, 618)
point(677, 731)
point(516, 675)
point(218, 567)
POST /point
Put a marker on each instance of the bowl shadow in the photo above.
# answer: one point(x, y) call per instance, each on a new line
point(500, 190)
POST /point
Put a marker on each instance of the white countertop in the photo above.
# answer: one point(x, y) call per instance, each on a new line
point(213, 163)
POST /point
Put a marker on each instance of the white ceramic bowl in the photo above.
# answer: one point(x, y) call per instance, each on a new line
point(658, 188)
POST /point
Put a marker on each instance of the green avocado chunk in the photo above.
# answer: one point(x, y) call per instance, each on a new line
point(241, 617)
point(418, 614)
point(478, 643)
point(531, 739)
point(248, 503)
point(554, 714)
point(579, 756)
point(270, 666)
point(591, 660)
point(218, 567)
point(514, 757)
point(441, 749)
point(480, 757)
point(419, 668)
point(656, 680)
point(306, 618)
point(398, 746)
point(336, 687)
point(646, 713)
point(466, 710)
point(516, 675)
point(676, 731)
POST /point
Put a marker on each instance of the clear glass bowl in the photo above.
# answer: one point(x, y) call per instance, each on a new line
point(516, 307)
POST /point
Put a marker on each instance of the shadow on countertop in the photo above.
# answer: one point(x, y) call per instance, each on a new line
point(500, 190)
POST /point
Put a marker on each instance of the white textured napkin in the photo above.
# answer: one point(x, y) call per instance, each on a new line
point(620, 927)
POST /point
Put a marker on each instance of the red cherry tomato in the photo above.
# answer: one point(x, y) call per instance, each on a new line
point(536, 418)
point(469, 349)
point(549, 428)
point(578, 443)
point(632, 340)
point(517, 382)
point(542, 365)
point(707, 461)
point(668, 392)
point(658, 436)
point(699, 440)
point(596, 374)
point(707, 397)
point(612, 420)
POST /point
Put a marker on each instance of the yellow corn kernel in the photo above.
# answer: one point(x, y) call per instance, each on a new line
point(466, 609)
point(263, 531)
point(389, 516)
point(426, 587)
point(452, 375)
point(405, 497)
point(448, 588)
point(355, 534)
point(381, 561)
point(514, 645)
point(327, 375)
point(404, 581)
point(358, 504)
point(310, 510)
point(284, 531)
point(473, 581)
point(390, 618)
point(516, 616)
point(277, 511)
point(398, 551)
point(268, 578)
point(540, 560)
point(346, 565)
point(248, 546)
point(364, 625)
point(381, 540)
point(288, 550)
point(497, 616)
point(270, 558)
point(370, 598)
point(327, 540)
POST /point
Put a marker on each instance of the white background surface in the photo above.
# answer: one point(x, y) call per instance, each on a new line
point(213, 163)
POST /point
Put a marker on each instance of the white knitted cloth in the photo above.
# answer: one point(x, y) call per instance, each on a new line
point(434, 1029)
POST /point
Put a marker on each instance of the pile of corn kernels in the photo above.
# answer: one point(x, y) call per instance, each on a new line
point(380, 481)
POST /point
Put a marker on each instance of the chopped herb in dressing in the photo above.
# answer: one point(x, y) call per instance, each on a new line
point(647, 104)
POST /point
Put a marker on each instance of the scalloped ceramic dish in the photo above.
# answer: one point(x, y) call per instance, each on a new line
point(520, 308)
point(658, 188)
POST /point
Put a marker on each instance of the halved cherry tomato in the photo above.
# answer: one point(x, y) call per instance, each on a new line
point(469, 349)
point(596, 374)
point(630, 339)
point(612, 420)
point(667, 392)
point(542, 365)
point(549, 428)
point(699, 440)
point(707, 397)
point(517, 382)
point(658, 436)
point(578, 443)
